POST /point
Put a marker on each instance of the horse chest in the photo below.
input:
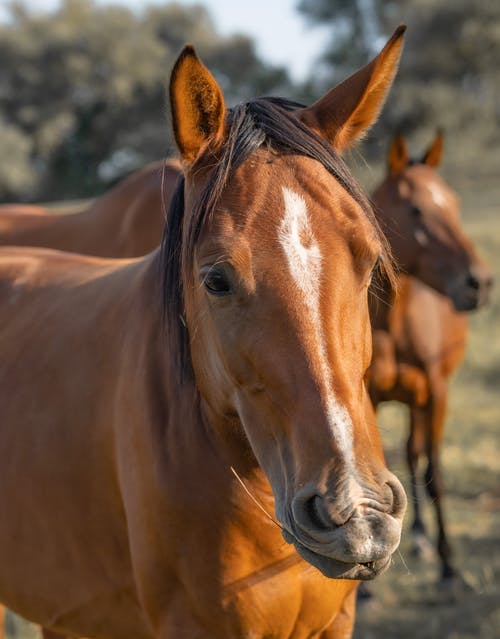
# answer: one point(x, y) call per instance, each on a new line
point(296, 603)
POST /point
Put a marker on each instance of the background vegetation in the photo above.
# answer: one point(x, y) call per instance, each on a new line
point(448, 76)
point(82, 88)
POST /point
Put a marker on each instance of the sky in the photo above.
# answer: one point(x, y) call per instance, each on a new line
point(282, 35)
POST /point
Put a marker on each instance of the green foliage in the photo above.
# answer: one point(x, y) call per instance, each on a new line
point(448, 75)
point(356, 30)
point(16, 174)
point(82, 90)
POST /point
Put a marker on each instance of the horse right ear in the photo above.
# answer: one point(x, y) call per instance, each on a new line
point(347, 111)
point(197, 105)
point(433, 155)
point(397, 158)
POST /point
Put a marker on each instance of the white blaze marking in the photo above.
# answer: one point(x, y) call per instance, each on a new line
point(437, 195)
point(304, 261)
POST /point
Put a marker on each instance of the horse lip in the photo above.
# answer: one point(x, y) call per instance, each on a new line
point(466, 303)
point(469, 299)
point(336, 568)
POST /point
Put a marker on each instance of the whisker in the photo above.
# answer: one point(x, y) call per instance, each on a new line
point(258, 504)
point(408, 571)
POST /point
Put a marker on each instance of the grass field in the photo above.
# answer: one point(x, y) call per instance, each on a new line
point(407, 604)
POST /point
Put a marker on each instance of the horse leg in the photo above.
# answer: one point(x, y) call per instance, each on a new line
point(433, 477)
point(2, 622)
point(415, 447)
point(343, 626)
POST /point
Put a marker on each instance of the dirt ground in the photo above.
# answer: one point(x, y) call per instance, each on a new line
point(407, 603)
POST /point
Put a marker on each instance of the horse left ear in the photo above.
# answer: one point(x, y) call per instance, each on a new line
point(197, 105)
point(433, 155)
point(345, 113)
point(397, 158)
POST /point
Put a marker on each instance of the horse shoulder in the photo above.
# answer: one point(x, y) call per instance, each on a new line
point(46, 385)
point(420, 317)
point(435, 333)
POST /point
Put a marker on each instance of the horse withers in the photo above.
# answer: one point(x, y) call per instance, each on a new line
point(420, 333)
point(166, 441)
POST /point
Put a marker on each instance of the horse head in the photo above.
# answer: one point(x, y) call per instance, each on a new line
point(269, 252)
point(419, 213)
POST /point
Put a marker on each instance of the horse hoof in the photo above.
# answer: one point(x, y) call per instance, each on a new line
point(453, 582)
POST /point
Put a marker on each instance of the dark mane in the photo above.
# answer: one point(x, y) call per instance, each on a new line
point(262, 122)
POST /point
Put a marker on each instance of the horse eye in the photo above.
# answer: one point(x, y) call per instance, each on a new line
point(216, 283)
point(416, 212)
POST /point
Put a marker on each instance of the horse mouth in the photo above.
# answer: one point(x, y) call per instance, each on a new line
point(468, 302)
point(472, 297)
point(336, 569)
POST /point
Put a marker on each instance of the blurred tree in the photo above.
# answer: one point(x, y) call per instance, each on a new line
point(82, 90)
point(16, 174)
point(449, 71)
point(357, 29)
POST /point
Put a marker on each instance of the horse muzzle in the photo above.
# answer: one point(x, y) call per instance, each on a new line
point(473, 290)
point(354, 539)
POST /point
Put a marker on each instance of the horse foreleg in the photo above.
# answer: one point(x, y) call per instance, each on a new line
point(415, 447)
point(433, 477)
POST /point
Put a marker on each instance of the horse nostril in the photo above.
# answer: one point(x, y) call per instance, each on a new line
point(397, 497)
point(317, 513)
point(473, 282)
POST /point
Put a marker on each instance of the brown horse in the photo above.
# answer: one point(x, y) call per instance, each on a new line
point(126, 222)
point(419, 215)
point(419, 339)
point(146, 438)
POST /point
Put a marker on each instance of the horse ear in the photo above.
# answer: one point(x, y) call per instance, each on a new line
point(197, 105)
point(433, 155)
point(345, 113)
point(397, 158)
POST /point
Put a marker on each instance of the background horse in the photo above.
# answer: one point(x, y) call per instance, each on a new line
point(130, 415)
point(419, 337)
point(126, 222)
